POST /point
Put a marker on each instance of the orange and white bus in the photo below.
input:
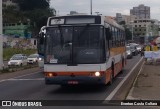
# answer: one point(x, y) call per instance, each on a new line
point(82, 49)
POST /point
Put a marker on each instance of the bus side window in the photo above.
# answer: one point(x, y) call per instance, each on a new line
point(108, 34)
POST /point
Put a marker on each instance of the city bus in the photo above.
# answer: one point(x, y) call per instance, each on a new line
point(82, 49)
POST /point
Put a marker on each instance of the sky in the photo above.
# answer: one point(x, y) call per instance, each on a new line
point(105, 7)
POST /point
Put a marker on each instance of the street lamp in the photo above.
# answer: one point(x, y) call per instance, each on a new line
point(132, 28)
point(91, 6)
point(1, 37)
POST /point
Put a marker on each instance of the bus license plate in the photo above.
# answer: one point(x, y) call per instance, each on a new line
point(72, 82)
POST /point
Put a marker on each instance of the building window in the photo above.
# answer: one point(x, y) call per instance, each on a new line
point(139, 29)
point(135, 25)
point(139, 25)
point(35, 42)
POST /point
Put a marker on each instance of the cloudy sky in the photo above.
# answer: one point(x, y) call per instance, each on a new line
point(105, 7)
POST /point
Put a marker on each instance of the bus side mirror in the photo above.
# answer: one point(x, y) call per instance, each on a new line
point(41, 40)
point(108, 34)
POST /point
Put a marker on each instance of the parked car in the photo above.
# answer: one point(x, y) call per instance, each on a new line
point(129, 52)
point(18, 61)
point(33, 58)
point(18, 55)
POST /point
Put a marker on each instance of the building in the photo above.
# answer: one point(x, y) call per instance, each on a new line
point(17, 30)
point(76, 13)
point(145, 27)
point(73, 12)
point(141, 12)
point(119, 17)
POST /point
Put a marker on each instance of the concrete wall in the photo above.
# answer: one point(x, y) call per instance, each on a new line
point(20, 42)
point(1, 39)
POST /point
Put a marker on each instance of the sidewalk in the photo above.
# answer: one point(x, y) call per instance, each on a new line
point(147, 84)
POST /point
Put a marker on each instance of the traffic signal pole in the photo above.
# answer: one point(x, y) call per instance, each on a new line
point(1, 38)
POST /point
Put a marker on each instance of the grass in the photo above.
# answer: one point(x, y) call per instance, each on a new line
point(5, 70)
point(16, 68)
point(9, 52)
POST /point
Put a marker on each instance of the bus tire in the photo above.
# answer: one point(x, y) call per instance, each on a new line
point(122, 65)
point(112, 75)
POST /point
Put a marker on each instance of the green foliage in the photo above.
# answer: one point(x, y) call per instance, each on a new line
point(29, 5)
point(34, 11)
point(128, 34)
point(9, 52)
point(5, 70)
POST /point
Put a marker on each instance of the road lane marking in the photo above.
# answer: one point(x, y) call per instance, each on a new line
point(121, 83)
point(36, 79)
point(25, 75)
point(3, 80)
point(120, 77)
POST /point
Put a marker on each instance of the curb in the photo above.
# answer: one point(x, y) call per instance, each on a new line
point(129, 97)
point(126, 87)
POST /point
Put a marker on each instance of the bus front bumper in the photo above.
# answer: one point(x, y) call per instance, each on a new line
point(74, 80)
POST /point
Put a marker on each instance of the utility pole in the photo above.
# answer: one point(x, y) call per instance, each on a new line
point(1, 38)
point(91, 7)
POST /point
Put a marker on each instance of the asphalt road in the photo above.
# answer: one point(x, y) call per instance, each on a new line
point(32, 87)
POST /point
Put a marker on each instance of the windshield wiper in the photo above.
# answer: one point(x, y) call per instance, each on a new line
point(61, 35)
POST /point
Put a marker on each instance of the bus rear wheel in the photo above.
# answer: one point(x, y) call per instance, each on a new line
point(112, 75)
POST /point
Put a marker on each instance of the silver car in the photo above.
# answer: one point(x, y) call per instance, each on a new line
point(18, 61)
point(129, 52)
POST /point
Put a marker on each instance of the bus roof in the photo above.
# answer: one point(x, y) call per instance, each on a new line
point(101, 19)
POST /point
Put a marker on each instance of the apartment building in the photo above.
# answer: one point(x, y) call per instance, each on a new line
point(142, 12)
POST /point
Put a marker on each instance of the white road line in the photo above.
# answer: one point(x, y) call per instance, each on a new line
point(19, 76)
point(120, 77)
point(121, 83)
point(35, 79)
point(25, 75)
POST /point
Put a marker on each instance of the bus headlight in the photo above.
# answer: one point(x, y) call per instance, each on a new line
point(97, 74)
point(40, 59)
point(50, 74)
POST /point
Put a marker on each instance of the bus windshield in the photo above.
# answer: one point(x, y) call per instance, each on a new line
point(75, 45)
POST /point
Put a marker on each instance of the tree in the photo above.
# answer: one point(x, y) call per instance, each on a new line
point(35, 12)
point(128, 34)
point(38, 18)
point(28, 5)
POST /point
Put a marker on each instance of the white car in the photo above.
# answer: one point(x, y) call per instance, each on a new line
point(18, 61)
point(33, 58)
point(15, 55)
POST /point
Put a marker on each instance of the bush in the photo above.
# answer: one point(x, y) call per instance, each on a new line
point(5, 70)
point(9, 52)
